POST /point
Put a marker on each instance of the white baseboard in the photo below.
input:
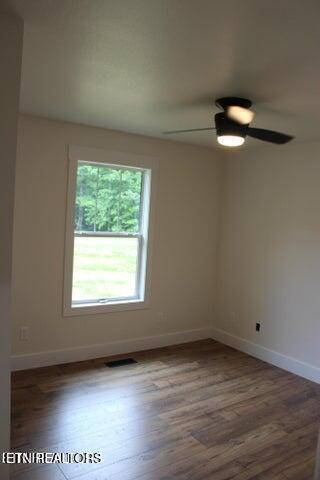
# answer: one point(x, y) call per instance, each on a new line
point(75, 354)
point(56, 357)
point(270, 356)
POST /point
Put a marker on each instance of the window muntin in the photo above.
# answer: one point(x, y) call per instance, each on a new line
point(110, 234)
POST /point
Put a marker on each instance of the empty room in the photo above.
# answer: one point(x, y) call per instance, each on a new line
point(160, 240)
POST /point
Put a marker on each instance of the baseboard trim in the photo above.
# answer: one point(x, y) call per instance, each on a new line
point(290, 364)
point(87, 352)
point(76, 354)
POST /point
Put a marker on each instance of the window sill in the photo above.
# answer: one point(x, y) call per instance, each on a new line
point(97, 308)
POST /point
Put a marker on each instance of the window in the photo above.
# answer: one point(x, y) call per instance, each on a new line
point(107, 234)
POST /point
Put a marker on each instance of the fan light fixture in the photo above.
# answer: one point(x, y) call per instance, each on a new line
point(233, 124)
point(230, 140)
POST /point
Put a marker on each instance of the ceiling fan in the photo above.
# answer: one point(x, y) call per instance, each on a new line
point(232, 125)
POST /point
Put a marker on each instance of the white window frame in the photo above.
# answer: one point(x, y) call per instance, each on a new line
point(113, 159)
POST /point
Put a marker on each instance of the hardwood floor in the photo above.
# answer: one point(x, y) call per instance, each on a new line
point(195, 411)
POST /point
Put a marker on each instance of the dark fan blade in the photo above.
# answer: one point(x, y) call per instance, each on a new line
point(269, 135)
point(185, 131)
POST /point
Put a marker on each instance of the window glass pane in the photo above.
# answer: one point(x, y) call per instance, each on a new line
point(104, 267)
point(108, 199)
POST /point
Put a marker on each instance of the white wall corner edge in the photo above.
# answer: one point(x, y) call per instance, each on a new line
point(305, 370)
point(87, 352)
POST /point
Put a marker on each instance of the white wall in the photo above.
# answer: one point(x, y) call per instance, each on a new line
point(11, 31)
point(268, 264)
point(269, 249)
point(184, 249)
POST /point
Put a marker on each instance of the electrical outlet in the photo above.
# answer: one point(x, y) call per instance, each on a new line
point(258, 327)
point(161, 316)
point(232, 318)
point(24, 334)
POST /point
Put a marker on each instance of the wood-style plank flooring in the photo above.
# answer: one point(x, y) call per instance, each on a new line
point(195, 411)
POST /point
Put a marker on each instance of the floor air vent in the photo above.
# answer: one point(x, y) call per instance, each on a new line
point(120, 363)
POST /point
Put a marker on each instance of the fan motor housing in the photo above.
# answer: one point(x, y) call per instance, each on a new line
point(226, 126)
point(226, 102)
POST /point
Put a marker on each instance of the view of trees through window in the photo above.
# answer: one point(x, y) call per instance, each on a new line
point(108, 199)
point(108, 204)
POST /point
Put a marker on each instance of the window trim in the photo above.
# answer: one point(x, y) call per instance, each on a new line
point(114, 159)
